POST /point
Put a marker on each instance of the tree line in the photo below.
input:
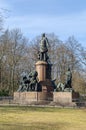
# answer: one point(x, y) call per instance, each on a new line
point(18, 55)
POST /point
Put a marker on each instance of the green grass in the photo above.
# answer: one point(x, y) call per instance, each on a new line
point(33, 118)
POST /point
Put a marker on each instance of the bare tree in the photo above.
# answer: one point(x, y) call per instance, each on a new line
point(14, 46)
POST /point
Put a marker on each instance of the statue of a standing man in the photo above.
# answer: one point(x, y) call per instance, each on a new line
point(44, 44)
point(68, 79)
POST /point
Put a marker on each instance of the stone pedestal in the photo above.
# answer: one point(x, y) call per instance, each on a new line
point(44, 89)
point(26, 98)
point(55, 98)
point(41, 69)
point(63, 98)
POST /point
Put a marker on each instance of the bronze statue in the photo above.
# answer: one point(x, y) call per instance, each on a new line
point(67, 85)
point(29, 83)
point(68, 82)
point(23, 84)
point(44, 44)
point(32, 86)
point(68, 79)
point(60, 87)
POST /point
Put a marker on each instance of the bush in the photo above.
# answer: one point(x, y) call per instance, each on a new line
point(4, 92)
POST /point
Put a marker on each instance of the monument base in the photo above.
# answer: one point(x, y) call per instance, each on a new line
point(63, 99)
point(26, 98)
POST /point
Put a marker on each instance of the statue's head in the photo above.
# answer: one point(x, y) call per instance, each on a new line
point(43, 35)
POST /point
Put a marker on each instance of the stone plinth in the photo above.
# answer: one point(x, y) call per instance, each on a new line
point(75, 96)
point(63, 98)
point(25, 97)
point(30, 97)
point(45, 96)
point(41, 69)
point(44, 88)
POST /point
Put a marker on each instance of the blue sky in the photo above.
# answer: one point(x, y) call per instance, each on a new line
point(63, 17)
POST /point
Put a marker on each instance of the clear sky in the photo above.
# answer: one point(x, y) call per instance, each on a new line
point(63, 17)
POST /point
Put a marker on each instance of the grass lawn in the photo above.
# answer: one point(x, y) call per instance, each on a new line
point(33, 118)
